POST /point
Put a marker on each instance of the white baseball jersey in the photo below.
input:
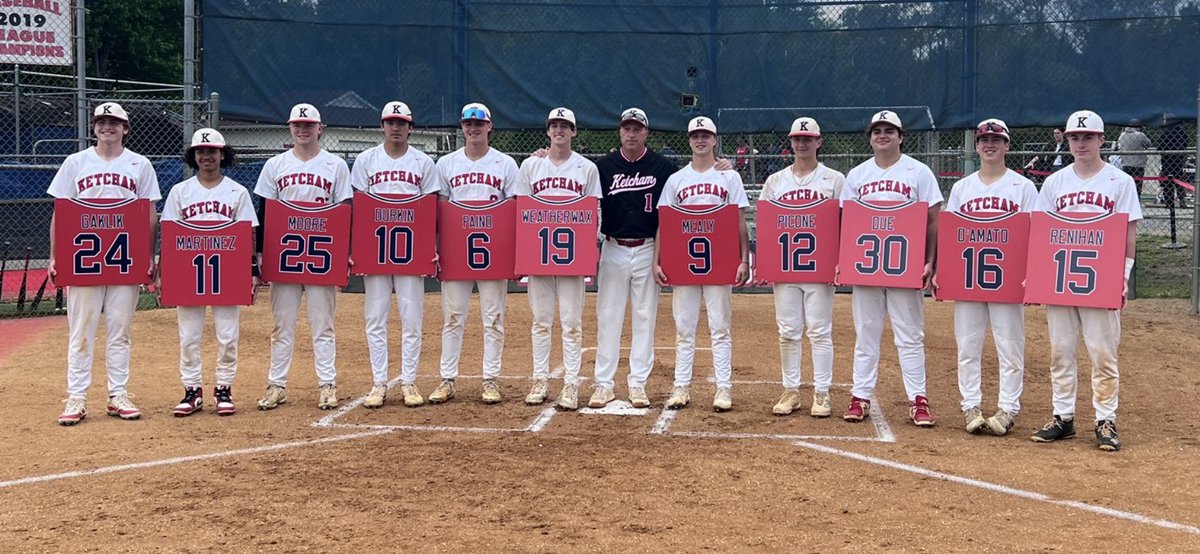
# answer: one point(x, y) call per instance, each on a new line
point(1111, 190)
point(688, 187)
point(493, 177)
point(822, 182)
point(1010, 193)
point(85, 175)
point(413, 173)
point(573, 178)
point(324, 179)
point(907, 179)
point(192, 201)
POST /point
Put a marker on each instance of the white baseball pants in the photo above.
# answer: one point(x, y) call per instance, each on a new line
point(456, 303)
point(285, 307)
point(906, 308)
point(410, 299)
point(626, 274)
point(805, 308)
point(1101, 329)
point(84, 306)
point(718, 304)
point(1008, 333)
point(568, 291)
point(226, 324)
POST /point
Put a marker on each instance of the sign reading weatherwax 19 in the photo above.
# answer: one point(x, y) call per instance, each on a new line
point(36, 32)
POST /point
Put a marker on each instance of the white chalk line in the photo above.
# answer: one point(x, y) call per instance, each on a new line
point(1002, 489)
point(882, 430)
point(429, 428)
point(543, 419)
point(663, 424)
point(715, 435)
point(186, 459)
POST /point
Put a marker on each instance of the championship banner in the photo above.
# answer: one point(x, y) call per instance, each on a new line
point(797, 242)
point(306, 243)
point(883, 244)
point(1076, 259)
point(476, 240)
point(393, 234)
point(558, 236)
point(982, 258)
point(101, 242)
point(36, 32)
point(207, 265)
point(699, 245)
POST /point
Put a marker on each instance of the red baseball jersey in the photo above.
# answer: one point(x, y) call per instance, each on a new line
point(394, 234)
point(981, 257)
point(102, 241)
point(797, 241)
point(883, 243)
point(306, 243)
point(1076, 259)
point(699, 245)
point(207, 263)
point(476, 240)
point(559, 235)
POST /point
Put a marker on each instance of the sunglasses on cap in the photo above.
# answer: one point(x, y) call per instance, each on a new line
point(475, 113)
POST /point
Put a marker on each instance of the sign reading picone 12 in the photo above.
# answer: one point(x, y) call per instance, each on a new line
point(36, 32)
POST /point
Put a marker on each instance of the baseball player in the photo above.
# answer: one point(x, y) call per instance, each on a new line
point(994, 188)
point(562, 173)
point(208, 196)
point(394, 167)
point(106, 170)
point(474, 172)
point(891, 175)
point(701, 184)
point(804, 308)
point(1089, 185)
point(306, 173)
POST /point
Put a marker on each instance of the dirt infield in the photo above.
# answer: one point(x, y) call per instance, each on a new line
point(517, 478)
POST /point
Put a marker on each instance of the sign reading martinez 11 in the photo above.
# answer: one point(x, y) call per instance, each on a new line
point(36, 32)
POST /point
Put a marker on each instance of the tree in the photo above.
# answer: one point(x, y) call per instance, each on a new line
point(138, 40)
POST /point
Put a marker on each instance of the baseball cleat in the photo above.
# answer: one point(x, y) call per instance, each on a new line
point(918, 410)
point(601, 396)
point(538, 392)
point(858, 410)
point(491, 392)
point(412, 395)
point(568, 399)
point(821, 406)
point(973, 420)
point(120, 406)
point(274, 396)
point(376, 397)
point(73, 412)
point(1001, 423)
point(638, 398)
point(443, 392)
point(679, 398)
point(1057, 429)
point(1106, 435)
point(723, 400)
point(327, 398)
point(193, 401)
point(224, 398)
point(788, 403)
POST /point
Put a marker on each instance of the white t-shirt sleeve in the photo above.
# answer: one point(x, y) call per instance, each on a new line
point(148, 182)
point(63, 184)
point(358, 171)
point(245, 207)
point(514, 180)
point(1030, 200)
point(592, 186)
point(956, 193)
point(930, 192)
point(266, 181)
point(525, 187)
point(342, 191)
point(849, 190)
point(441, 168)
point(171, 206)
point(431, 180)
point(839, 184)
point(667, 198)
point(737, 191)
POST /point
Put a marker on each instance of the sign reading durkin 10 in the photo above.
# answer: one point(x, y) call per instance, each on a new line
point(36, 32)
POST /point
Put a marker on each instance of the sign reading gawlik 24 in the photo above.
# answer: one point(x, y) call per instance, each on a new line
point(36, 32)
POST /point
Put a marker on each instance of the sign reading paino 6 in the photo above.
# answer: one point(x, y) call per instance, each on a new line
point(36, 32)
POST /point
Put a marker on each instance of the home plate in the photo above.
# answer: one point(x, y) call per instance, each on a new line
point(616, 407)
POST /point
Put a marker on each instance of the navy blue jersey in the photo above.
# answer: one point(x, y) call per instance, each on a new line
point(630, 191)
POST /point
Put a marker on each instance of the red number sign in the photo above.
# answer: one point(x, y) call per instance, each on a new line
point(699, 245)
point(101, 242)
point(394, 235)
point(207, 264)
point(883, 244)
point(981, 258)
point(796, 242)
point(476, 240)
point(557, 236)
point(306, 243)
point(1076, 259)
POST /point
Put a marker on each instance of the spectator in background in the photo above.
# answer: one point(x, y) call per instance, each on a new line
point(1173, 137)
point(668, 152)
point(1054, 157)
point(1132, 139)
point(742, 161)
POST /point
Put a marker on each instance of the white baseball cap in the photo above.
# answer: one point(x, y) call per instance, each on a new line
point(476, 111)
point(635, 114)
point(805, 127)
point(885, 117)
point(1084, 121)
point(396, 110)
point(561, 114)
point(304, 113)
point(992, 127)
point(110, 109)
point(702, 124)
point(207, 137)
